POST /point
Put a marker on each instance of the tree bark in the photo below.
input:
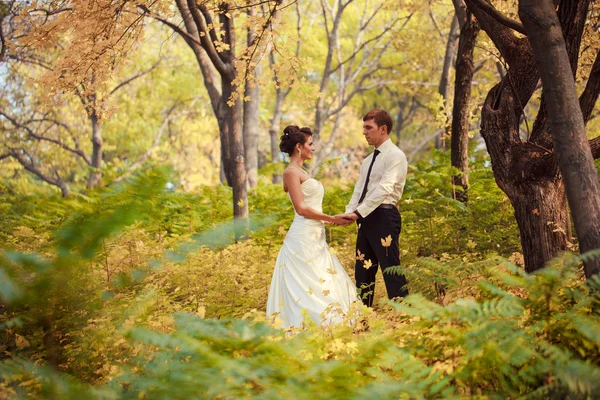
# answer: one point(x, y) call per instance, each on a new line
point(251, 112)
point(251, 128)
point(520, 166)
point(29, 164)
point(218, 66)
point(97, 151)
point(274, 131)
point(566, 123)
point(461, 113)
point(240, 191)
point(444, 88)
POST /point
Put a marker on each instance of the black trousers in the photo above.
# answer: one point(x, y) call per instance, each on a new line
point(378, 225)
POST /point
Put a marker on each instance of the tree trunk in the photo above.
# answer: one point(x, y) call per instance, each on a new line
point(251, 112)
point(542, 216)
point(566, 123)
point(237, 162)
point(224, 121)
point(535, 189)
point(251, 128)
point(444, 88)
point(461, 115)
point(95, 174)
point(274, 131)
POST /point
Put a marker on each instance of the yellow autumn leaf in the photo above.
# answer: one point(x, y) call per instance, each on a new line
point(241, 203)
point(321, 281)
point(332, 271)
point(310, 290)
point(368, 264)
point(359, 256)
point(21, 342)
point(326, 292)
point(387, 242)
point(282, 231)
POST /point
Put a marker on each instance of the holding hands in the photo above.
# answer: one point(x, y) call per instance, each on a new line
point(344, 219)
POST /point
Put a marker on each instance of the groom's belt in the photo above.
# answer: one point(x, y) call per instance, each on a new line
point(388, 206)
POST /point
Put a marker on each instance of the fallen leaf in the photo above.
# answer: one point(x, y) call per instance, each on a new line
point(387, 242)
point(360, 256)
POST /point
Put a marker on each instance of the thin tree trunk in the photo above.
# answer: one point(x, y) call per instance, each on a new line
point(274, 131)
point(444, 88)
point(97, 151)
point(251, 128)
point(240, 191)
point(224, 122)
point(566, 123)
point(461, 115)
point(251, 112)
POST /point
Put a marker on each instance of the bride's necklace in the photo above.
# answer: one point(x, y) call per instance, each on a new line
point(300, 168)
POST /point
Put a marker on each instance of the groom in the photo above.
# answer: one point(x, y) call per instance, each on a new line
point(373, 207)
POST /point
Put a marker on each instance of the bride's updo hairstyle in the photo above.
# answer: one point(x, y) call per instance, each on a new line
point(292, 135)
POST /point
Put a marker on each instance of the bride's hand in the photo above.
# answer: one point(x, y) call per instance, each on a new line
point(341, 221)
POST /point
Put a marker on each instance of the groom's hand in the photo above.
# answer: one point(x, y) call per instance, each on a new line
point(350, 216)
point(343, 220)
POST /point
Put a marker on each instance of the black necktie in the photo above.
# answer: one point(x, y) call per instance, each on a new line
point(364, 192)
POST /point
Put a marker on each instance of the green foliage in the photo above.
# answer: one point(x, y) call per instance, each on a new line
point(434, 222)
point(141, 292)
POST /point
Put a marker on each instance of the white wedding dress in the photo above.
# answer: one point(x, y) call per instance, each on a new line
point(307, 276)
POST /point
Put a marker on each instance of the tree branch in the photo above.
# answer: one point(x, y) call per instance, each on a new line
point(133, 78)
point(205, 38)
point(588, 98)
point(33, 135)
point(498, 16)
point(186, 36)
point(30, 166)
point(140, 161)
point(595, 146)
point(502, 36)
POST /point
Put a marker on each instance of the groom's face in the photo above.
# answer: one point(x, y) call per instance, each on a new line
point(374, 134)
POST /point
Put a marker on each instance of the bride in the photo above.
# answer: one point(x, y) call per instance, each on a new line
point(306, 275)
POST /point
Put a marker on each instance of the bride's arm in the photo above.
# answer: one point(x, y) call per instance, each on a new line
point(291, 180)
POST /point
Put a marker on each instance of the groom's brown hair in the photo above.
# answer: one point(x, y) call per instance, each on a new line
point(381, 118)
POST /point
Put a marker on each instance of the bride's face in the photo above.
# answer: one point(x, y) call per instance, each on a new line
point(308, 149)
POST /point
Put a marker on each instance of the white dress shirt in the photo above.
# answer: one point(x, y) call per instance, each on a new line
point(386, 182)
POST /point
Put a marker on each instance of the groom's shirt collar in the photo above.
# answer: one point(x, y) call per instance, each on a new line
point(385, 146)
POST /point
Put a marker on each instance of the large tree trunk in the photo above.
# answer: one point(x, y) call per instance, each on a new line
point(535, 189)
point(461, 115)
point(95, 174)
point(566, 123)
point(542, 216)
point(214, 87)
point(444, 88)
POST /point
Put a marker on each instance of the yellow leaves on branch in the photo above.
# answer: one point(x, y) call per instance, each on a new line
point(87, 40)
